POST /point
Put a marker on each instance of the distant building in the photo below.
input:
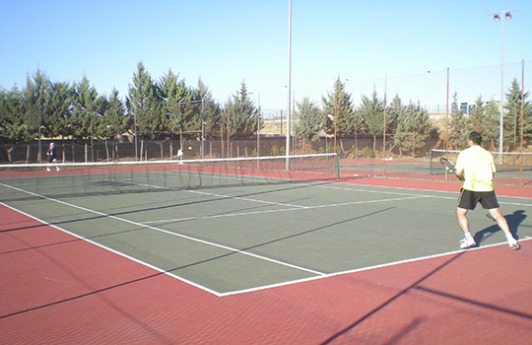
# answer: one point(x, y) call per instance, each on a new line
point(467, 108)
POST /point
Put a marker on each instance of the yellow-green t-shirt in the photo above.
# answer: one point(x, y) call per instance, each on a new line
point(478, 167)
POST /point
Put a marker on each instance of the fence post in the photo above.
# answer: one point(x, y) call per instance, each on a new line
point(430, 162)
point(337, 167)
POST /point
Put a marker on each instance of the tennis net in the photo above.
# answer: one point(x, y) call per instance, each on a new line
point(77, 179)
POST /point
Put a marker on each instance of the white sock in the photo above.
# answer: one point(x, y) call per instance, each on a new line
point(469, 237)
point(510, 238)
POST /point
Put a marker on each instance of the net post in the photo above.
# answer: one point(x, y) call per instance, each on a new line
point(430, 162)
point(337, 166)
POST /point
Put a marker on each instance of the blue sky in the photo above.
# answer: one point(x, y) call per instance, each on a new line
point(225, 42)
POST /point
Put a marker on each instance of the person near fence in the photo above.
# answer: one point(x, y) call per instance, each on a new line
point(52, 157)
point(180, 156)
point(475, 166)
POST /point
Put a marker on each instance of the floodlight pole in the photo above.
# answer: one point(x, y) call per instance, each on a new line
point(136, 142)
point(522, 131)
point(335, 115)
point(92, 136)
point(447, 113)
point(40, 149)
point(202, 131)
point(289, 114)
point(499, 17)
point(258, 132)
point(384, 121)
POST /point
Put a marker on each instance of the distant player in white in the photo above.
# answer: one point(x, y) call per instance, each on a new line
point(52, 157)
point(180, 156)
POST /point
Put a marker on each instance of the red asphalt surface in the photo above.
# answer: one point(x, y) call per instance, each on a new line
point(58, 289)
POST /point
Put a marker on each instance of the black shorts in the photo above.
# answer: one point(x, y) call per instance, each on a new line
point(469, 199)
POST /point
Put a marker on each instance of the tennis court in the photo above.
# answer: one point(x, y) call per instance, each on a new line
point(254, 244)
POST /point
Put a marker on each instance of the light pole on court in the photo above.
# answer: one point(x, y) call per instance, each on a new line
point(289, 86)
point(258, 131)
point(500, 17)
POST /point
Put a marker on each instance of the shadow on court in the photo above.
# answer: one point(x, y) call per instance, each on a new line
point(390, 300)
point(170, 270)
point(514, 222)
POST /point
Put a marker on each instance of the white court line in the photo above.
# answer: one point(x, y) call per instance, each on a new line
point(426, 195)
point(369, 268)
point(386, 190)
point(247, 199)
point(110, 249)
point(319, 275)
point(293, 207)
point(238, 214)
point(231, 249)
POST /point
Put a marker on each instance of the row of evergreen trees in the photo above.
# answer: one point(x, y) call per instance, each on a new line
point(152, 110)
point(168, 108)
point(407, 127)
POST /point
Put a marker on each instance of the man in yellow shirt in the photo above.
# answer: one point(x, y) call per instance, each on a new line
point(476, 167)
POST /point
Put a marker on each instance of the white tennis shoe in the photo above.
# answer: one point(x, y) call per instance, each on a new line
point(465, 243)
point(514, 245)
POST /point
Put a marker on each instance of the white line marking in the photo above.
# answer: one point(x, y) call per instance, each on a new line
point(319, 275)
point(201, 287)
point(369, 268)
point(413, 189)
point(246, 199)
point(283, 210)
point(231, 249)
point(425, 195)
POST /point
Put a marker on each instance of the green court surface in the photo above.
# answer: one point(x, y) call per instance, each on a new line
point(232, 239)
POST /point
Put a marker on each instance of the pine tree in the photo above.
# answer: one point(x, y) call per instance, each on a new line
point(311, 120)
point(241, 115)
point(413, 129)
point(85, 110)
point(484, 119)
point(36, 98)
point(174, 93)
point(211, 112)
point(513, 117)
point(393, 114)
point(59, 109)
point(114, 122)
point(372, 111)
point(143, 105)
point(337, 106)
point(13, 128)
point(458, 130)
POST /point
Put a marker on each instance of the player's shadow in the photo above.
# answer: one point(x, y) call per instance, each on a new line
point(514, 220)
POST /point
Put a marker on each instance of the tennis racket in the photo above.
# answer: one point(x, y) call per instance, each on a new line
point(449, 166)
